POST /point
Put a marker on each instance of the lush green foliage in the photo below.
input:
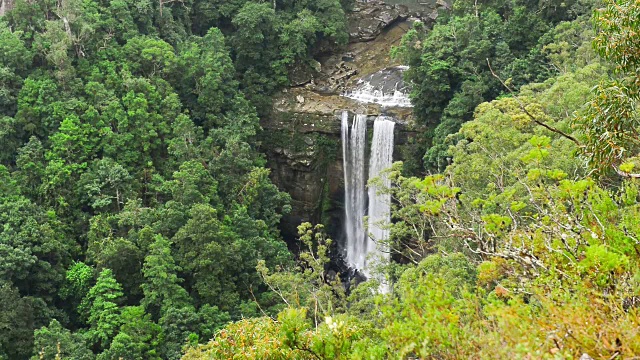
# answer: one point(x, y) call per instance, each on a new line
point(452, 64)
point(516, 250)
point(134, 204)
point(609, 122)
point(138, 220)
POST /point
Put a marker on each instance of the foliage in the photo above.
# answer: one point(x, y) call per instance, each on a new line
point(55, 342)
point(16, 322)
point(452, 65)
point(162, 288)
point(101, 307)
point(307, 284)
point(290, 337)
point(119, 123)
point(609, 121)
point(138, 219)
point(515, 250)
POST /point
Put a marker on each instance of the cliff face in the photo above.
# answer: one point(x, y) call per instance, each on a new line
point(302, 136)
point(304, 152)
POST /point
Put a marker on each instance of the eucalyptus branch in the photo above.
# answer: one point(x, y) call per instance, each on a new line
point(551, 128)
point(533, 118)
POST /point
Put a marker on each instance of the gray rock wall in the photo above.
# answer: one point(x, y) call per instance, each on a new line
point(304, 153)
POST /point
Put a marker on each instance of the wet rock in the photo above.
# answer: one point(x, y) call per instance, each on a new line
point(308, 140)
point(369, 19)
point(433, 16)
point(300, 74)
point(385, 87)
point(443, 4)
point(348, 57)
point(324, 90)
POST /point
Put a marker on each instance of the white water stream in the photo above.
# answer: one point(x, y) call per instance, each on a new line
point(362, 250)
point(354, 142)
point(379, 203)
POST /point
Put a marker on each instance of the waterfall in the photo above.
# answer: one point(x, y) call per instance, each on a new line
point(361, 249)
point(379, 204)
point(365, 246)
point(354, 141)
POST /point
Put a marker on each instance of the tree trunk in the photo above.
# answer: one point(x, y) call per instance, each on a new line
point(5, 6)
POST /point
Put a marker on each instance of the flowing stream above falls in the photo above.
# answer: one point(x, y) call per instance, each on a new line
point(385, 88)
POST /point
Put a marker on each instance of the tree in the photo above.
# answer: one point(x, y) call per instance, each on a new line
point(208, 248)
point(120, 255)
point(79, 278)
point(55, 44)
point(106, 184)
point(179, 327)
point(30, 165)
point(17, 323)
point(137, 337)
point(209, 86)
point(102, 310)
point(193, 184)
point(256, 56)
point(427, 316)
point(150, 57)
point(66, 160)
point(609, 120)
point(162, 289)
point(54, 342)
point(34, 250)
point(307, 285)
point(16, 60)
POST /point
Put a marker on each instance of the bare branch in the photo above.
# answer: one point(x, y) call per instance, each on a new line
point(625, 174)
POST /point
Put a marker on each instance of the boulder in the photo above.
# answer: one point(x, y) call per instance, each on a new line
point(300, 74)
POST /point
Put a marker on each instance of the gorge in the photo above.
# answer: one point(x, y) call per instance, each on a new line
point(302, 135)
point(319, 179)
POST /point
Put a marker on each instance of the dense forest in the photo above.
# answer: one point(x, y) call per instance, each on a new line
point(138, 218)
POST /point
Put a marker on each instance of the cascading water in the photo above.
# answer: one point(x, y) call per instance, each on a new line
point(366, 247)
point(360, 248)
point(379, 203)
point(354, 141)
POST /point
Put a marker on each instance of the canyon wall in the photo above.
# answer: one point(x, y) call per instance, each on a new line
point(301, 137)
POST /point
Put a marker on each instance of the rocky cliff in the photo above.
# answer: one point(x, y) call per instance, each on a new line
point(302, 135)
